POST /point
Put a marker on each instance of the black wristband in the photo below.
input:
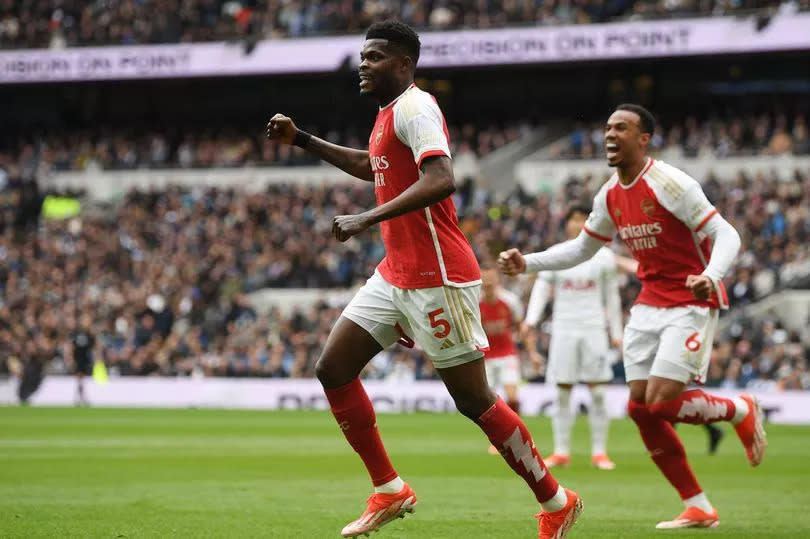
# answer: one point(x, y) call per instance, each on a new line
point(301, 139)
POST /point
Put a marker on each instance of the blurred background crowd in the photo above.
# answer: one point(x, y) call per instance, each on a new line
point(204, 148)
point(163, 279)
point(168, 281)
point(67, 23)
point(752, 134)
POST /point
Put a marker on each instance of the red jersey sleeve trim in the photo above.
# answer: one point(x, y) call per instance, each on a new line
point(593, 234)
point(429, 153)
point(706, 220)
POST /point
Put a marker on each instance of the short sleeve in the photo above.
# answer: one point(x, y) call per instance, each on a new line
point(682, 196)
point(419, 124)
point(599, 224)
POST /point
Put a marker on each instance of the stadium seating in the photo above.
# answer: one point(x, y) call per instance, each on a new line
point(167, 273)
point(746, 135)
point(203, 148)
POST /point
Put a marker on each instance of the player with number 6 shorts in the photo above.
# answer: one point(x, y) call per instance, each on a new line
point(684, 248)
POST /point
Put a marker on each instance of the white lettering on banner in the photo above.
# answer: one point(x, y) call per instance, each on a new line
point(637, 39)
point(294, 394)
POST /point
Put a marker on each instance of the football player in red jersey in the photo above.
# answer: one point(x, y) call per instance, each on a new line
point(426, 287)
point(684, 247)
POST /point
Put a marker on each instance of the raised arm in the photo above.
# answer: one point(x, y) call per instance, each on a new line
point(435, 183)
point(693, 209)
point(561, 256)
point(350, 160)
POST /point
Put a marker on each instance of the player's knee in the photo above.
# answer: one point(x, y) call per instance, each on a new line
point(638, 412)
point(473, 405)
point(326, 372)
point(598, 396)
point(563, 397)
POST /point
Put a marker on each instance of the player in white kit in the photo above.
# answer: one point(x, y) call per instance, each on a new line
point(684, 248)
point(586, 304)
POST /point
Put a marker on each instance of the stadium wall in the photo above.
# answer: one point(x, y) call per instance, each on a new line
point(534, 176)
point(396, 396)
point(549, 175)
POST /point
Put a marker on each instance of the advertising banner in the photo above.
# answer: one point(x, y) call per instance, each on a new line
point(539, 44)
point(294, 394)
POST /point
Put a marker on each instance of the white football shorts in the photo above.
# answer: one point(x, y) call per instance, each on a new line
point(578, 355)
point(502, 371)
point(673, 342)
point(444, 321)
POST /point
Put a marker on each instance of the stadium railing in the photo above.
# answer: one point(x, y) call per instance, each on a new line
point(533, 175)
point(541, 175)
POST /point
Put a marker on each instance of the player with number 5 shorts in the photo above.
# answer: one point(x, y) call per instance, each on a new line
point(425, 291)
point(683, 247)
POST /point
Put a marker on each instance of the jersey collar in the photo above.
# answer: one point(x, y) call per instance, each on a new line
point(640, 174)
point(397, 98)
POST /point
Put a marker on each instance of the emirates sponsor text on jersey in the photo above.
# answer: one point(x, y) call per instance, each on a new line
point(639, 237)
point(378, 163)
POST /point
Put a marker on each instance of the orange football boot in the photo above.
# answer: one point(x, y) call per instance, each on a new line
point(692, 517)
point(751, 431)
point(381, 509)
point(555, 525)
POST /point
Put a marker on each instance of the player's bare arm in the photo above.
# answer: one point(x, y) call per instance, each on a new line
point(350, 160)
point(435, 183)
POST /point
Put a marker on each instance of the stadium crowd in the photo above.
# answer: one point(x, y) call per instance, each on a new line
point(68, 23)
point(162, 280)
point(208, 148)
point(750, 134)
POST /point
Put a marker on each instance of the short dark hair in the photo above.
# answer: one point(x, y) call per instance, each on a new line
point(399, 33)
point(577, 208)
point(647, 120)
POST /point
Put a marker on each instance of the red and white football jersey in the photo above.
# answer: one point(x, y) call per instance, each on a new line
point(500, 320)
point(424, 248)
point(659, 216)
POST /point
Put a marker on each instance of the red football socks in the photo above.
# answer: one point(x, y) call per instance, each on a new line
point(507, 432)
point(665, 449)
point(696, 407)
point(355, 416)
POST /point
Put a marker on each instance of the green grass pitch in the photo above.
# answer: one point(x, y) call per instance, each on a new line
point(212, 473)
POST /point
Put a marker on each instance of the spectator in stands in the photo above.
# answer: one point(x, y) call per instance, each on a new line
point(167, 274)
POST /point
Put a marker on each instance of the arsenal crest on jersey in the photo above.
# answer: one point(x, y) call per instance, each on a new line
point(648, 206)
point(380, 131)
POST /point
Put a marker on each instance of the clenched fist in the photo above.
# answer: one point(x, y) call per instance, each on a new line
point(346, 226)
point(511, 262)
point(281, 129)
point(700, 285)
